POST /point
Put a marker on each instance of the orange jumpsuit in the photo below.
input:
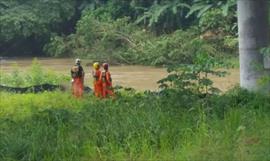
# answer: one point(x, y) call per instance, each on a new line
point(106, 79)
point(97, 83)
point(77, 87)
point(77, 81)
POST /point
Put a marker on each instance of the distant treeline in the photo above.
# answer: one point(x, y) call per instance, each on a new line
point(94, 28)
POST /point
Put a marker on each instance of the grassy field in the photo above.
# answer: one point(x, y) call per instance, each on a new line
point(135, 126)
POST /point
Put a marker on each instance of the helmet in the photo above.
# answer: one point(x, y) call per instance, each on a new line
point(105, 66)
point(78, 61)
point(96, 65)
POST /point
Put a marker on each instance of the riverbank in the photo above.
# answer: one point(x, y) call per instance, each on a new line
point(136, 76)
point(135, 126)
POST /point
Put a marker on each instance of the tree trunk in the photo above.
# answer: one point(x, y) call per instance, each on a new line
point(253, 35)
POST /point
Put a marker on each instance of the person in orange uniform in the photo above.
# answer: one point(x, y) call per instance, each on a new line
point(97, 81)
point(106, 79)
point(77, 75)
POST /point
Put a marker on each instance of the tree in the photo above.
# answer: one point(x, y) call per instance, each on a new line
point(253, 35)
point(25, 26)
point(200, 7)
point(165, 16)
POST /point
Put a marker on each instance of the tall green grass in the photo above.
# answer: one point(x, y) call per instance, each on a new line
point(135, 126)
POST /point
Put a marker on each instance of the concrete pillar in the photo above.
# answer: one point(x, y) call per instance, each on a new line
point(253, 35)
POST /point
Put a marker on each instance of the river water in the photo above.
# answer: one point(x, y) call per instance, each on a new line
point(135, 76)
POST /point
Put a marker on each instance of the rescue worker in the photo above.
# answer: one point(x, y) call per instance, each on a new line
point(97, 81)
point(77, 75)
point(106, 79)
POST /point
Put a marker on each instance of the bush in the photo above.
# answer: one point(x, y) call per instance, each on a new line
point(118, 41)
point(194, 78)
point(103, 37)
point(176, 48)
point(220, 30)
point(60, 46)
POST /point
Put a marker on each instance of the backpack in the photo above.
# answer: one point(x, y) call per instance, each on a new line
point(75, 71)
point(104, 75)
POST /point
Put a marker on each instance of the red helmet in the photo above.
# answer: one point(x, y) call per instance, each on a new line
point(105, 66)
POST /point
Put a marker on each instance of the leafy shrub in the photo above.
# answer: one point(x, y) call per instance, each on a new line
point(101, 37)
point(215, 19)
point(122, 42)
point(18, 78)
point(220, 30)
point(59, 46)
point(97, 37)
point(194, 77)
point(178, 47)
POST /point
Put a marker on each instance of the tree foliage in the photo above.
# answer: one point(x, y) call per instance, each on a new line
point(200, 7)
point(110, 29)
point(34, 17)
point(29, 21)
point(166, 15)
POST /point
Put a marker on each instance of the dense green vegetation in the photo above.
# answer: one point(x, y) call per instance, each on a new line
point(187, 120)
point(135, 126)
point(27, 25)
point(155, 32)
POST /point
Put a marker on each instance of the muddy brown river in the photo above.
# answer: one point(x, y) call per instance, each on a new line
point(135, 76)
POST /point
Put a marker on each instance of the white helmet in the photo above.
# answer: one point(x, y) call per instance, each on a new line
point(78, 61)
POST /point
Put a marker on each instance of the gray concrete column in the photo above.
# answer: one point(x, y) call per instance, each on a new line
point(253, 35)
